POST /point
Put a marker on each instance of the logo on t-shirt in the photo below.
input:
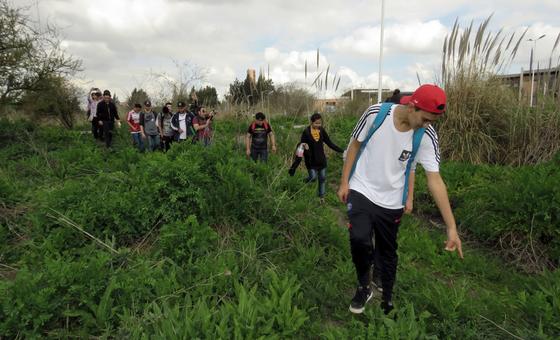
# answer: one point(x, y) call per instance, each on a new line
point(405, 155)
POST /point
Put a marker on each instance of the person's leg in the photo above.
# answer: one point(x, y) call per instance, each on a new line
point(386, 225)
point(360, 229)
point(264, 155)
point(94, 127)
point(167, 143)
point(151, 143)
point(311, 175)
point(254, 154)
point(100, 130)
point(108, 133)
point(157, 142)
point(322, 179)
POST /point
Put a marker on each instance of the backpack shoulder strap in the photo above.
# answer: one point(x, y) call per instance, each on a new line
point(379, 119)
point(416, 141)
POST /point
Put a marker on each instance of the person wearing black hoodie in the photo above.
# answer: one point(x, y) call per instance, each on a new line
point(107, 114)
point(312, 139)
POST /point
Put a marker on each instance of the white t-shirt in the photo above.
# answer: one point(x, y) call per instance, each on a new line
point(380, 170)
point(183, 125)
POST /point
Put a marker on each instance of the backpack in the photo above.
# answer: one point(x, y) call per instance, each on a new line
point(416, 140)
point(265, 125)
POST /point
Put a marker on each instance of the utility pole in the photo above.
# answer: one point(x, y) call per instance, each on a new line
point(380, 82)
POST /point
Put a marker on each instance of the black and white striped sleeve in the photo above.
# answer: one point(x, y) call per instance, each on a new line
point(428, 154)
point(364, 124)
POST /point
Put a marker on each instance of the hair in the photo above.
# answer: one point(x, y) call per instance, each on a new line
point(315, 117)
point(397, 91)
point(165, 109)
point(260, 116)
point(168, 103)
point(138, 105)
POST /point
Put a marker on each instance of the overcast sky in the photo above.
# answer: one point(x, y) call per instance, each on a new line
point(124, 42)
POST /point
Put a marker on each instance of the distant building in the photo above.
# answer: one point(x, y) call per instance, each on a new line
point(370, 94)
point(546, 80)
point(328, 105)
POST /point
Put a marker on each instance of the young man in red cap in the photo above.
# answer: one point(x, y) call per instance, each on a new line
point(373, 185)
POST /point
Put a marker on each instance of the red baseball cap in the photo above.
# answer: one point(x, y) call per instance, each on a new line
point(429, 98)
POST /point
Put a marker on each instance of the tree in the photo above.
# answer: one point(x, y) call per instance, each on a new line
point(176, 86)
point(208, 96)
point(28, 55)
point(250, 92)
point(58, 98)
point(137, 96)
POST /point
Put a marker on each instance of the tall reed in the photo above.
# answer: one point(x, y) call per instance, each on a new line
point(485, 121)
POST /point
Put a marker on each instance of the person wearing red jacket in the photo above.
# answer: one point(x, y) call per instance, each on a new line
point(133, 120)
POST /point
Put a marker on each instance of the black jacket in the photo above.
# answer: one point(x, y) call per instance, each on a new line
point(315, 157)
point(107, 111)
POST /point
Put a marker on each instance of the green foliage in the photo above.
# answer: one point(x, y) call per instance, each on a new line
point(517, 209)
point(207, 96)
point(30, 55)
point(137, 96)
point(248, 313)
point(203, 243)
point(183, 242)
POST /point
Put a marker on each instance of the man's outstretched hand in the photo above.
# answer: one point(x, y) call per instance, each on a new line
point(454, 243)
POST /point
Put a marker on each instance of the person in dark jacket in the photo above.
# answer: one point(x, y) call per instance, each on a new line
point(181, 123)
point(312, 139)
point(107, 114)
point(395, 98)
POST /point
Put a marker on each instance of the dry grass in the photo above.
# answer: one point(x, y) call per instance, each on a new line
point(485, 120)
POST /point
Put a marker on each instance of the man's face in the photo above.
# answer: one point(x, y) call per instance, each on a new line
point(107, 98)
point(170, 107)
point(182, 109)
point(424, 118)
point(147, 108)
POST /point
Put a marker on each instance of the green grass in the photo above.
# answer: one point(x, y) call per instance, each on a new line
point(210, 245)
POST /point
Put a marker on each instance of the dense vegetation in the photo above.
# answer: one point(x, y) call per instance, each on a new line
point(205, 243)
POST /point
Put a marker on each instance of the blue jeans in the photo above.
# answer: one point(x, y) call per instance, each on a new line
point(138, 141)
point(153, 142)
point(318, 174)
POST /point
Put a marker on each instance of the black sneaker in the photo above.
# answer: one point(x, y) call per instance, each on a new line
point(362, 296)
point(387, 307)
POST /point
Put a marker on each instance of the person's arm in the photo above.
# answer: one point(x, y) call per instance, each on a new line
point(273, 141)
point(116, 113)
point(158, 125)
point(129, 121)
point(439, 193)
point(248, 144)
point(410, 196)
point(196, 125)
point(142, 125)
point(351, 154)
point(328, 141)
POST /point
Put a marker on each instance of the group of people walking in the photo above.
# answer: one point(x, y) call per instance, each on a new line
point(377, 181)
point(148, 128)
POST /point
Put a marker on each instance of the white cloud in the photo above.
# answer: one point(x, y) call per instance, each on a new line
point(413, 37)
point(122, 41)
